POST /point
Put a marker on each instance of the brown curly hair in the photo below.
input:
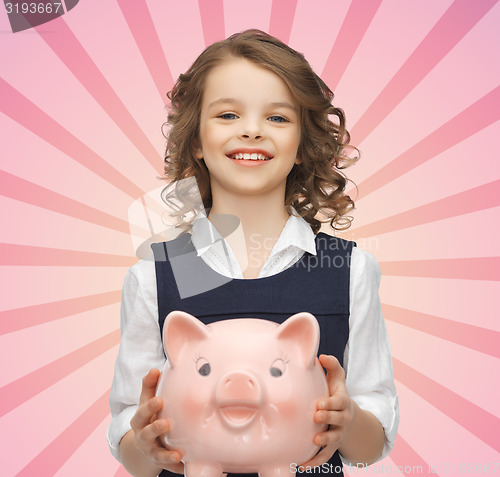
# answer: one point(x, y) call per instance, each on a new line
point(315, 185)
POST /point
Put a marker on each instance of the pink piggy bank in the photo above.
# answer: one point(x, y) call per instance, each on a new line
point(240, 394)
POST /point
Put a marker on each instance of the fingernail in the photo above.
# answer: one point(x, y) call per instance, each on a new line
point(322, 404)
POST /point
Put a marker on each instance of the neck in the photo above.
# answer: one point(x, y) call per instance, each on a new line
point(260, 216)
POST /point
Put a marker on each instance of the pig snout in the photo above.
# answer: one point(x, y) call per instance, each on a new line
point(234, 387)
point(238, 397)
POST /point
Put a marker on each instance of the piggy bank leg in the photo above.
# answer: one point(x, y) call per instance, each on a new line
point(283, 471)
point(198, 469)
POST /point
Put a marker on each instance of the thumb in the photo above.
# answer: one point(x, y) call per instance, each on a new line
point(335, 374)
point(149, 384)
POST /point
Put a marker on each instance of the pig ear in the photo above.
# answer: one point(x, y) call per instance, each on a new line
point(301, 331)
point(179, 330)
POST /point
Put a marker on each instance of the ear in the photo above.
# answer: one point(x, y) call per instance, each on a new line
point(301, 331)
point(179, 330)
point(197, 149)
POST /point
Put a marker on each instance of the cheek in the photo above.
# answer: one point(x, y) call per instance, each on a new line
point(191, 407)
point(281, 394)
point(290, 145)
point(211, 136)
point(288, 410)
point(197, 403)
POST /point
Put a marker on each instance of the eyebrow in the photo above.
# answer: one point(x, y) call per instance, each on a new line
point(276, 104)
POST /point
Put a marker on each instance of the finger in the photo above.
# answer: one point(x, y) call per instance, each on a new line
point(330, 438)
point(335, 374)
point(337, 402)
point(170, 459)
point(320, 458)
point(145, 413)
point(154, 430)
point(331, 418)
point(149, 383)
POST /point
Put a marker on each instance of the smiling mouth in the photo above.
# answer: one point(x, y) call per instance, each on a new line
point(238, 416)
point(249, 157)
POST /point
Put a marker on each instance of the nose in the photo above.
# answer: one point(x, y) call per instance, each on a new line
point(238, 386)
point(251, 136)
point(251, 129)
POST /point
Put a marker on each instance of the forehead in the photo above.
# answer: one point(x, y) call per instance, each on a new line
point(246, 81)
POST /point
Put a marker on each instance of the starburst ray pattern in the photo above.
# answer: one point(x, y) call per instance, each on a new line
point(82, 102)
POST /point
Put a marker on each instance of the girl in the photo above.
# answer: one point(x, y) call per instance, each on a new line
point(250, 122)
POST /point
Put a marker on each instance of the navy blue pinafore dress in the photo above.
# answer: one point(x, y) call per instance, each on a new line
point(317, 284)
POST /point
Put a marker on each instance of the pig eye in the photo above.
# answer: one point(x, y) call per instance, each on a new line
point(277, 368)
point(203, 367)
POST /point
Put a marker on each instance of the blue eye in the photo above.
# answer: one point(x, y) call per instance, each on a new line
point(228, 116)
point(278, 119)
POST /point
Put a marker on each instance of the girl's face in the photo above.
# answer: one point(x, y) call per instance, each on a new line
point(248, 113)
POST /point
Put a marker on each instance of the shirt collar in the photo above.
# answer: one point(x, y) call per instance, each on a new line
point(296, 233)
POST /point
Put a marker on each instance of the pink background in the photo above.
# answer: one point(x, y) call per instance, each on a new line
point(82, 102)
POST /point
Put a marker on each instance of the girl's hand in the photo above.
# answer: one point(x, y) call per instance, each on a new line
point(336, 411)
point(147, 429)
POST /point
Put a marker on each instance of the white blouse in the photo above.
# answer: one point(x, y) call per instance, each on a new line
point(367, 356)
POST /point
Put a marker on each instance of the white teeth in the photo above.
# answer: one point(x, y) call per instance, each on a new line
point(252, 157)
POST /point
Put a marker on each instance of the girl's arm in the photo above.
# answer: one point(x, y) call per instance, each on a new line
point(363, 408)
point(368, 357)
point(140, 350)
point(141, 453)
point(364, 442)
point(355, 433)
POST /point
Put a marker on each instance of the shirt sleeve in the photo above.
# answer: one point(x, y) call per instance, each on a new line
point(367, 357)
point(140, 348)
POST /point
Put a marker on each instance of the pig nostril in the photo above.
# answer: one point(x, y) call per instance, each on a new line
point(251, 383)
